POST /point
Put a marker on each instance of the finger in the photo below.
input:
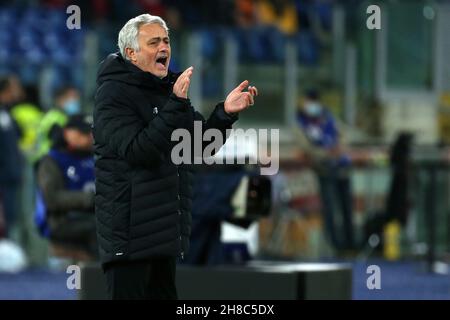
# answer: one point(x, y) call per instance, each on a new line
point(186, 73)
point(189, 74)
point(241, 87)
point(252, 100)
point(186, 86)
point(191, 68)
point(185, 76)
point(252, 90)
point(256, 90)
point(179, 80)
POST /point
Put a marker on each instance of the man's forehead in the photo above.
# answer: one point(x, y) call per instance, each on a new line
point(153, 30)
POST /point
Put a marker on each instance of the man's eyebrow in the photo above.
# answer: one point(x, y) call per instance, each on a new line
point(158, 38)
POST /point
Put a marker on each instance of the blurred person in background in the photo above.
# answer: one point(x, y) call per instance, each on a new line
point(277, 20)
point(28, 115)
point(65, 202)
point(280, 14)
point(66, 103)
point(321, 142)
point(232, 194)
point(211, 206)
point(143, 200)
point(245, 13)
point(11, 159)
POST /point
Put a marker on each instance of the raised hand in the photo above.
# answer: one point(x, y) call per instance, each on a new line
point(237, 100)
point(181, 86)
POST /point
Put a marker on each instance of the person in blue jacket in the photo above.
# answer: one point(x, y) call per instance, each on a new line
point(319, 138)
point(66, 183)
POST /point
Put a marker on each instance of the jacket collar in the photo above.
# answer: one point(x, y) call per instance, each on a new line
point(115, 67)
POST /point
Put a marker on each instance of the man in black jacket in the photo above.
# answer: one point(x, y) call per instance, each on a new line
point(143, 200)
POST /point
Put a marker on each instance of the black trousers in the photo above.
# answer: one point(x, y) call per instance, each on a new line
point(336, 198)
point(142, 280)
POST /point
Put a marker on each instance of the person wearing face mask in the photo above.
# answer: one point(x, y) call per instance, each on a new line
point(318, 137)
point(65, 196)
point(67, 103)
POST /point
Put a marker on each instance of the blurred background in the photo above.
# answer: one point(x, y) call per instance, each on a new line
point(363, 115)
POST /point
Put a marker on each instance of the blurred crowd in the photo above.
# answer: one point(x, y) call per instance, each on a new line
point(287, 15)
point(254, 23)
point(42, 51)
point(46, 167)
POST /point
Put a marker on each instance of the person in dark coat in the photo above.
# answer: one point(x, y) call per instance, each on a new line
point(211, 205)
point(143, 200)
point(11, 159)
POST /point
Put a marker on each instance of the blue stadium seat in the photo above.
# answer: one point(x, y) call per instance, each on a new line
point(8, 17)
point(324, 11)
point(308, 48)
point(209, 43)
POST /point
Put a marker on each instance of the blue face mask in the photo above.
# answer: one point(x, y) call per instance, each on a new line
point(72, 106)
point(313, 109)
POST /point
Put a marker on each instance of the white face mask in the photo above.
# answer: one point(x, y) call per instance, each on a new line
point(313, 109)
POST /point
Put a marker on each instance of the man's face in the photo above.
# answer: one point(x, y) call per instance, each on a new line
point(312, 107)
point(71, 94)
point(154, 50)
point(77, 140)
point(17, 92)
point(13, 93)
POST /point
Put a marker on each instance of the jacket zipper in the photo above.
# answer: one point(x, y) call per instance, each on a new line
point(179, 212)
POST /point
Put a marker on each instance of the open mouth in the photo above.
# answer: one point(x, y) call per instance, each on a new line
point(161, 61)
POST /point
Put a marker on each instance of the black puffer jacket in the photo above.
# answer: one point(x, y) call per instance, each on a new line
point(142, 200)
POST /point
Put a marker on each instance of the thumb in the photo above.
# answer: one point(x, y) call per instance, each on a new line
point(242, 86)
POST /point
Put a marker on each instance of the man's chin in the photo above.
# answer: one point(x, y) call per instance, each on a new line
point(161, 74)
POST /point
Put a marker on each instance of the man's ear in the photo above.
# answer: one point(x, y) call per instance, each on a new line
point(131, 54)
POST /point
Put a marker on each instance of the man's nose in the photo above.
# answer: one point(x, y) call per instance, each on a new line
point(164, 47)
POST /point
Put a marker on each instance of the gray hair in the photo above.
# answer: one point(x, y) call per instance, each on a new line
point(128, 35)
